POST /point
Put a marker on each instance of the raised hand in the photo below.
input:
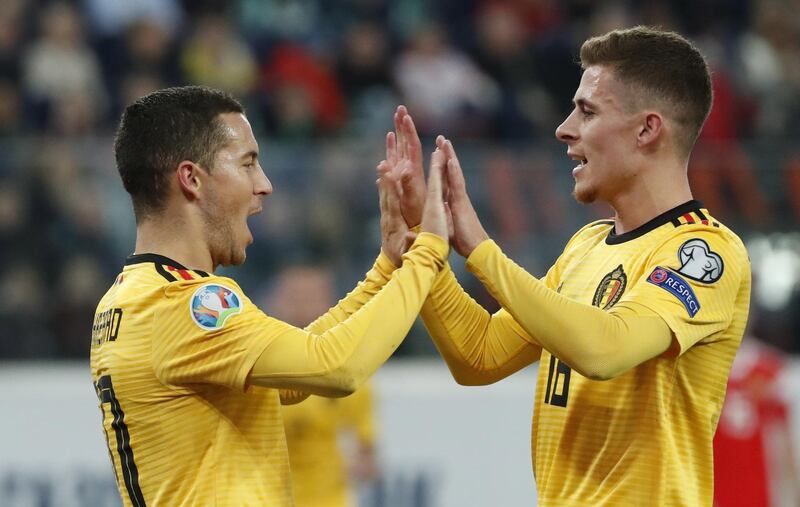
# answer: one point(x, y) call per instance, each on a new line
point(468, 232)
point(434, 216)
point(394, 230)
point(404, 157)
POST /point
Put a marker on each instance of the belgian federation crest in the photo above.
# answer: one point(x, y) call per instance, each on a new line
point(212, 304)
point(610, 289)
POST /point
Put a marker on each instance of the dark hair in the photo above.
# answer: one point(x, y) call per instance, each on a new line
point(160, 130)
point(664, 67)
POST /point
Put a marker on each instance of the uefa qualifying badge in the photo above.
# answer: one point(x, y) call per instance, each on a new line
point(212, 304)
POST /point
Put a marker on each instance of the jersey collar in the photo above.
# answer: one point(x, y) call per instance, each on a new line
point(151, 257)
point(667, 216)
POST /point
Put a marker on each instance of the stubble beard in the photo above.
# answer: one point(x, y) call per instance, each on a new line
point(584, 195)
point(221, 238)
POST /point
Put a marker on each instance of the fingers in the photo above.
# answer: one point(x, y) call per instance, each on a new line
point(392, 196)
point(413, 144)
point(410, 181)
point(456, 186)
point(391, 148)
point(438, 164)
point(383, 167)
point(399, 117)
point(381, 182)
point(450, 225)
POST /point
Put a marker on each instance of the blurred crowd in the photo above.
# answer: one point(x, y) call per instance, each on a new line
point(320, 80)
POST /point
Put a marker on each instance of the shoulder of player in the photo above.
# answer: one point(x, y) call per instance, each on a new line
point(710, 231)
point(187, 287)
point(596, 229)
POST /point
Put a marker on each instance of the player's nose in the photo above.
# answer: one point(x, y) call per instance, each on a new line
point(566, 132)
point(262, 186)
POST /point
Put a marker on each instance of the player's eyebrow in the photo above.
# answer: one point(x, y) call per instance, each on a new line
point(252, 154)
point(583, 103)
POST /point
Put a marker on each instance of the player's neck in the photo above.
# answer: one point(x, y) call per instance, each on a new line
point(172, 240)
point(653, 195)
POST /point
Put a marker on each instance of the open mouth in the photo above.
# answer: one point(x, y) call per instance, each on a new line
point(582, 162)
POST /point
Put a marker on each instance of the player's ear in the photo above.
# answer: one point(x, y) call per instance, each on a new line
point(190, 179)
point(650, 128)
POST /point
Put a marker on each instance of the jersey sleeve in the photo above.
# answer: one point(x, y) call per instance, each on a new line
point(378, 276)
point(691, 281)
point(208, 332)
point(211, 333)
point(598, 344)
point(479, 348)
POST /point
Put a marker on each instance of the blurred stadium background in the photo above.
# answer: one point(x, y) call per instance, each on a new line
point(320, 80)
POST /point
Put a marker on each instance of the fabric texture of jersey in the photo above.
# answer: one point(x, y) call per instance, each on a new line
point(645, 436)
point(314, 432)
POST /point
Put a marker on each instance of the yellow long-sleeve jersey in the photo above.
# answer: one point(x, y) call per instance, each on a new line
point(314, 430)
point(175, 355)
point(635, 333)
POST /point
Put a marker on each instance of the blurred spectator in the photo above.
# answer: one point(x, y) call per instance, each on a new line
point(792, 185)
point(24, 312)
point(504, 52)
point(287, 20)
point(443, 87)
point(138, 84)
point(14, 222)
point(81, 284)
point(770, 62)
point(11, 41)
point(304, 96)
point(720, 171)
point(216, 56)
point(10, 108)
point(59, 67)
point(69, 216)
point(364, 74)
point(109, 18)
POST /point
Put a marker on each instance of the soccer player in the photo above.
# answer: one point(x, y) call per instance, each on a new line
point(331, 441)
point(636, 324)
point(189, 373)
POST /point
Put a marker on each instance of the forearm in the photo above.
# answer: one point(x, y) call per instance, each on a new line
point(338, 360)
point(479, 348)
point(595, 343)
point(374, 280)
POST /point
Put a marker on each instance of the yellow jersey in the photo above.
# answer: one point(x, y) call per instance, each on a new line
point(643, 437)
point(164, 373)
point(313, 432)
point(174, 353)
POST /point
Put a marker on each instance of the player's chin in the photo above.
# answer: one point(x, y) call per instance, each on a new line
point(238, 257)
point(238, 253)
point(584, 194)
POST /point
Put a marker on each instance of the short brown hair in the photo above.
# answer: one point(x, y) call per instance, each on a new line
point(160, 130)
point(663, 67)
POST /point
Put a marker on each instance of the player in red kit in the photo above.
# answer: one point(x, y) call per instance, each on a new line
point(753, 460)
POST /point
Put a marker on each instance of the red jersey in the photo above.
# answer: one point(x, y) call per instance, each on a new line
point(743, 444)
